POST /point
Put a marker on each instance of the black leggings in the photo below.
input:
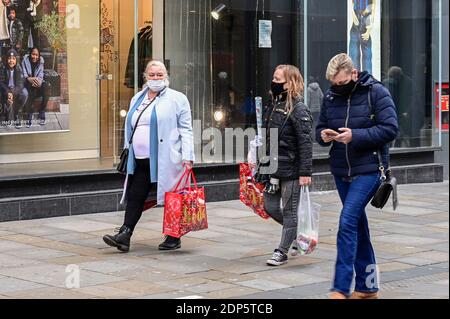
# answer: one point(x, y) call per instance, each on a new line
point(139, 186)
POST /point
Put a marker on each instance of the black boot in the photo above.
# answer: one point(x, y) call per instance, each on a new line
point(121, 240)
point(171, 243)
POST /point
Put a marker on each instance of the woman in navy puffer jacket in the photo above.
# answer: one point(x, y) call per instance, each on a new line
point(358, 119)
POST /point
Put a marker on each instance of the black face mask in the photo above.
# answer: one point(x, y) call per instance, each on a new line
point(344, 89)
point(277, 88)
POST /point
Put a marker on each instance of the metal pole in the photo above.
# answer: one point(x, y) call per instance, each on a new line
point(440, 74)
point(136, 48)
point(305, 50)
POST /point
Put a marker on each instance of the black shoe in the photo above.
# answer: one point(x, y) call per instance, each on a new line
point(171, 243)
point(121, 240)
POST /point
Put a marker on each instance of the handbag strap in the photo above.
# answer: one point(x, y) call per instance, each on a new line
point(380, 159)
point(139, 117)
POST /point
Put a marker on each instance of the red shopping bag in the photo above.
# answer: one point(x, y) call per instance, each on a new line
point(185, 208)
point(149, 204)
point(251, 193)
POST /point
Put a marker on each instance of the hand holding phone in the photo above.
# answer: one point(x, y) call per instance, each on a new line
point(328, 135)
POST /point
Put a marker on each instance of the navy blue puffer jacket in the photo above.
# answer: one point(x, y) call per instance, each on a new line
point(372, 128)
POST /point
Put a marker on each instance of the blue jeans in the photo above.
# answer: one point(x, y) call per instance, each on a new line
point(360, 47)
point(354, 249)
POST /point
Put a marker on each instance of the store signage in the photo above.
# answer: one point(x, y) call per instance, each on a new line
point(442, 114)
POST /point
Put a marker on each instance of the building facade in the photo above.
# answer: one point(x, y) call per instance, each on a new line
point(221, 54)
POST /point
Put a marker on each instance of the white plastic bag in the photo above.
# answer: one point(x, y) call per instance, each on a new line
point(252, 157)
point(308, 223)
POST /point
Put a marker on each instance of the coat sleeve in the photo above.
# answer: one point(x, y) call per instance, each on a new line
point(385, 129)
point(40, 73)
point(24, 68)
point(303, 130)
point(184, 123)
point(322, 125)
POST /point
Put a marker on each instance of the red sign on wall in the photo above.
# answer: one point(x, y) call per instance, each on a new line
point(444, 106)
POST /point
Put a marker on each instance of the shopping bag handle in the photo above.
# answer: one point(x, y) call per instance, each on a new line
point(306, 192)
point(182, 178)
point(188, 173)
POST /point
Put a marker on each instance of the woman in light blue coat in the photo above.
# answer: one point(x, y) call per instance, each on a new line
point(162, 147)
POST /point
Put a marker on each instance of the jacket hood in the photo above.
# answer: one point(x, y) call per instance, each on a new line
point(366, 79)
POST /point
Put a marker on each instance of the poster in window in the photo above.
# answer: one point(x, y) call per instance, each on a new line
point(364, 39)
point(265, 34)
point(33, 71)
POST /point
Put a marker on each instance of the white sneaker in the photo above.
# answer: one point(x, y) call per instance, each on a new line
point(277, 259)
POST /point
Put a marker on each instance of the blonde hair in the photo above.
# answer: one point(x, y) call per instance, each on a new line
point(341, 62)
point(161, 66)
point(296, 84)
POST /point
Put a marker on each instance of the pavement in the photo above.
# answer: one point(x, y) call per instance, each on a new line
point(66, 258)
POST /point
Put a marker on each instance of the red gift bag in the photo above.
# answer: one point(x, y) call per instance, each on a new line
point(185, 208)
point(251, 193)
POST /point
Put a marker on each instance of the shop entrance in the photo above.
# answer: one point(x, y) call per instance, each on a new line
point(121, 68)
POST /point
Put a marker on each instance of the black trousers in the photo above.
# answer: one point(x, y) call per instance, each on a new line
point(138, 189)
point(33, 94)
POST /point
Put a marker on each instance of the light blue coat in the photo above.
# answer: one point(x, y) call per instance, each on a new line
point(175, 137)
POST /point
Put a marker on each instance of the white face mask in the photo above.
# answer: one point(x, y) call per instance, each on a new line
point(156, 85)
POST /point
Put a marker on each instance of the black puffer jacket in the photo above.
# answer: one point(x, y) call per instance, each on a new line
point(295, 141)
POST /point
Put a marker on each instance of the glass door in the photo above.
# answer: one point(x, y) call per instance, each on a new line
point(126, 43)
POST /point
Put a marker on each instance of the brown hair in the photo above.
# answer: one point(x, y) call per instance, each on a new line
point(296, 85)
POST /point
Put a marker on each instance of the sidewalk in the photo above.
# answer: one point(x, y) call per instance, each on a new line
point(228, 259)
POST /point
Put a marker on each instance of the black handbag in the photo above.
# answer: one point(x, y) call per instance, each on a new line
point(122, 166)
point(388, 186)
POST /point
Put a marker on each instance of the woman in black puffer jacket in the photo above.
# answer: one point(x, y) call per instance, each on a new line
point(292, 164)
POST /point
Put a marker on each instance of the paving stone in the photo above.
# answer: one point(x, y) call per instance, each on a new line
point(407, 240)
point(56, 275)
point(287, 277)
point(393, 266)
point(107, 292)
point(11, 261)
point(425, 258)
point(210, 286)
point(142, 288)
point(108, 266)
point(167, 295)
point(231, 293)
point(38, 253)
point(10, 285)
point(6, 245)
point(262, 284)
point(82, 225)
point(306, 290)
point(50, 293)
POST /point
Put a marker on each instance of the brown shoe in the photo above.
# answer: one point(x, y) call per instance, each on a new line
point(337, 295)
point(364, 295)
